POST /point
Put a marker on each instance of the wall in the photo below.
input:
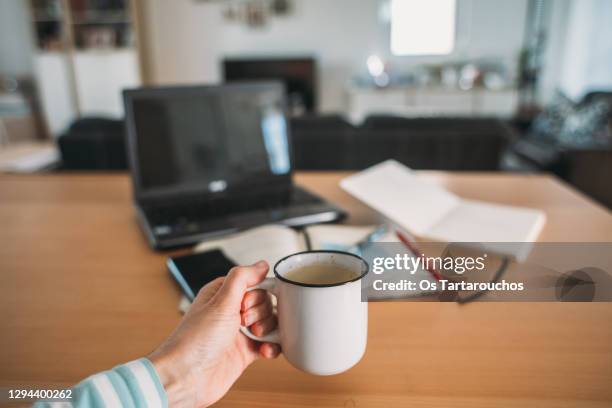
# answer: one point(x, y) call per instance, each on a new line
point(557, 17)
point(187, 39)
point(16, 40)
point(587, 61)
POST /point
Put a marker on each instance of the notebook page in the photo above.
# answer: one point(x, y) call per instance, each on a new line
point(393, 190)
point(268, 242)
point(475, 221)
point(336, 237)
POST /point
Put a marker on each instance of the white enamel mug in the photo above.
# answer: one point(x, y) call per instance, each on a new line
point(323, 328)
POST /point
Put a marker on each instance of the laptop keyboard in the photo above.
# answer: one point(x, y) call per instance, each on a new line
point(200, 216)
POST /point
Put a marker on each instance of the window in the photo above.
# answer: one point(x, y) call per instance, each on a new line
point(422, 27)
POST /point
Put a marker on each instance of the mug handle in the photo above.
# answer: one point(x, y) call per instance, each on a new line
point(268, 285)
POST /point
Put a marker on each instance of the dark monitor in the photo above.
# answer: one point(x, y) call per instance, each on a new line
point(207, 139)
point(298, 75)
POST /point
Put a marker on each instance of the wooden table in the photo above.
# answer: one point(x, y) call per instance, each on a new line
point(80, 291)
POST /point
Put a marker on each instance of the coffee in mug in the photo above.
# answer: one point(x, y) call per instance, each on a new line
point(322, 322)
point(323, 274)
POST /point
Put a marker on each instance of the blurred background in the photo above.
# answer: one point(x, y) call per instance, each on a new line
point(491, 85)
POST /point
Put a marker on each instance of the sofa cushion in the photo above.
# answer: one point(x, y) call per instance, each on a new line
point(94, 144)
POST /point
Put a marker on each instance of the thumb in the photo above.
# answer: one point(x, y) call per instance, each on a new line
point(238, 280)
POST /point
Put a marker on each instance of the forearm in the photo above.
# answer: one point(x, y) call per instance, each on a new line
point(134, 384)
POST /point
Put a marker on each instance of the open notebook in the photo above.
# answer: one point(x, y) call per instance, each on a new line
point(429, 211)
point(273, 242)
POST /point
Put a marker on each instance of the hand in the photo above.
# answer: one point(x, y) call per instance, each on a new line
point(207, 353)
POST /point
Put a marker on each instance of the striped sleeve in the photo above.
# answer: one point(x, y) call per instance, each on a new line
point(132, 385)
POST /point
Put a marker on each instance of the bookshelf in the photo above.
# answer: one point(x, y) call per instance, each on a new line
point(86, 53)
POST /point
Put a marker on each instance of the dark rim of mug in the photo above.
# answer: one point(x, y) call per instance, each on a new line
point(322, 285)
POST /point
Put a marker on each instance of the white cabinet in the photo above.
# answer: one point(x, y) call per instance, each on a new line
point(501, 103)
point(440, 101)
point(364, 102)
point(100, 78)
point(86, 55)
point(431, 101)
point(54, 87)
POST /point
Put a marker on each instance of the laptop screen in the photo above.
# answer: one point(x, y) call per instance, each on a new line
point(207, 139)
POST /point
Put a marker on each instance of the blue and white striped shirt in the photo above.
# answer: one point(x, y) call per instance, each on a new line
point(132, 385)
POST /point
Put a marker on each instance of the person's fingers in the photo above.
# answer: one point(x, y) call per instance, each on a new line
point(269, 350)
point(264, 326)
point(253, 298)
point(238, 280)
point(250, 349)
point(256, 313)
point(209, 290)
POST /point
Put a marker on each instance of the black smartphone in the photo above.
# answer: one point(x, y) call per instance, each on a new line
point(195, 270)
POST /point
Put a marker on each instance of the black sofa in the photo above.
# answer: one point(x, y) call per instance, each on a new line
point(328, 142)
point(331, 143)
point(94, 144)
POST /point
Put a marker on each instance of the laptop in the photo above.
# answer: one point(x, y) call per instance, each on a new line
point(211, 160)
